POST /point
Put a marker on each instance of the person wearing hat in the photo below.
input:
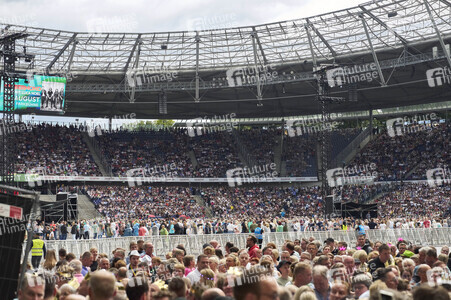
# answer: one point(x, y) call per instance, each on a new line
point(284, 269)
point(132, 267)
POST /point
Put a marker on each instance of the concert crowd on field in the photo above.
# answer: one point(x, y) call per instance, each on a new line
point(303, 268)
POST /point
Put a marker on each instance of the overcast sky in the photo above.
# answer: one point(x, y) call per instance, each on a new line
point(156, 16)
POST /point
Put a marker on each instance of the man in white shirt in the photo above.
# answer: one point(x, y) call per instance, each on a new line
point(148, 253)
point(202, 263)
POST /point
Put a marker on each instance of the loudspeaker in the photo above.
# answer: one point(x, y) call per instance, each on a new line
point(329, 205)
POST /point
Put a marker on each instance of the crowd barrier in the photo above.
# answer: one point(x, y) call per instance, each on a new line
point(193, 243)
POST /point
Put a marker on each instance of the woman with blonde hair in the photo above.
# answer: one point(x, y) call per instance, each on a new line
point(304, 293)
point(363, 258)
point(207, 277)
point(214, 262)
point(50, 260)
point(209, 251)
point(231, 261)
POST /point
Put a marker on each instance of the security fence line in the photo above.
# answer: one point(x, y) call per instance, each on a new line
point(193, 243)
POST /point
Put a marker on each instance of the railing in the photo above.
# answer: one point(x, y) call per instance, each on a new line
point(193, 244)
point(242, 149)
point(98, 151)
point(350, 147)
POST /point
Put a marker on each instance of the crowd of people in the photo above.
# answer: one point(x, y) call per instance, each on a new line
point(407, 156)
point(298, 269)
point(169, 210)
point(54, 150)
point(60, 150)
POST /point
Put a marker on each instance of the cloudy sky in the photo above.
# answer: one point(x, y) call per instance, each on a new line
point(155, 16)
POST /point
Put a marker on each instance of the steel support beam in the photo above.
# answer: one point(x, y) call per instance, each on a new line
point(376, 61)
point(197, 96)
point(403, 40)
point(257, 73)
point(442, 43)
point(49, 67)
point(312, 51)
point(334, 54)
point(260, 47)
point(137, 41)
point(71, 56)
point(135, 67)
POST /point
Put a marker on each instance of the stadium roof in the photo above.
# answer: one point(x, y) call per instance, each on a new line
point(403, 37)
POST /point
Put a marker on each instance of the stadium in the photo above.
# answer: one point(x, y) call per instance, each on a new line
point(314, 152)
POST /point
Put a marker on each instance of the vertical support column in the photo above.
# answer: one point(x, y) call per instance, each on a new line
point(257, 72)
point(7, 140)
point(197, 96)
point(110, 124)
point(376, 61)
point(371, 121)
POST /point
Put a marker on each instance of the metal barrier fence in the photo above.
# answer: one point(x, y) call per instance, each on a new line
point(193, 244)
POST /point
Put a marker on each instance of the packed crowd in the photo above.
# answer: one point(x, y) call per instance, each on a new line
point(297, 269)
point(60, 150)
point(261, 143)
point(407, 156)
point(140, 202)
point(54, 150)
point(215, 154)
point(146, 211)
point(130, 150)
